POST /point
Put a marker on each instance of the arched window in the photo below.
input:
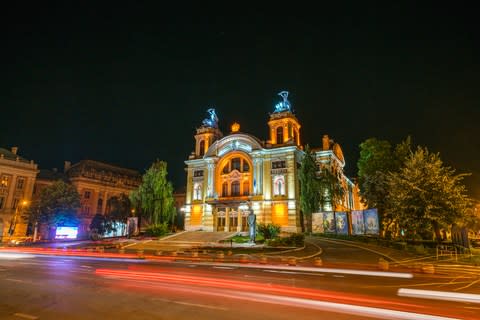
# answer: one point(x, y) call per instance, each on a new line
point(224, 189)
point(295, 136)
point(280, 135)
point(246, 167)
point(202, 148)
point(236, 164)
point(235, 188)
point(279, 186)
point(226, 169)
point(246, 188)
point(197, 191)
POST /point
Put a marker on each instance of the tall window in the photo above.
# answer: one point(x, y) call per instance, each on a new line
point(246, 188)
point(224, 189)
point(279, 186)
point(20, 183)
point(202, 147)
point(235, 188)
point(280, 135)
point(246, 167)
point(15, 203)
point(86, 195)
point(4, 182)
point(197, 191)
point(2, 201)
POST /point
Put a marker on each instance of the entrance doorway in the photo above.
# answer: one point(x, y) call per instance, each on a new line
point(221, 221)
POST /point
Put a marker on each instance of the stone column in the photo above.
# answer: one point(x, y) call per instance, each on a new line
point(227, 219)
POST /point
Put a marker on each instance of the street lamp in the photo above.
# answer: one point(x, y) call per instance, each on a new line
point(13, 223)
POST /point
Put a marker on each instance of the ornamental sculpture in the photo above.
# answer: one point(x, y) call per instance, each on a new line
point(212, 119)
point(283, 105)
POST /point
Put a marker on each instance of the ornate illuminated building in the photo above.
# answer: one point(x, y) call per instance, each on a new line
point(17, 178)
point(226, 174)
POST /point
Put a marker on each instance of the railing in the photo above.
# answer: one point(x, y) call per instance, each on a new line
point(446, 250)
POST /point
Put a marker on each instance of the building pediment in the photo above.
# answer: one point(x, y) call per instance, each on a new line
point(233, 142)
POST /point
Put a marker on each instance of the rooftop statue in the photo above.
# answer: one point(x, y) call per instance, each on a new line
point(212, 119)
point(283, 105)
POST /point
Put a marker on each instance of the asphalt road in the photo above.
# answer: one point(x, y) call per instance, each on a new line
point(38, 287)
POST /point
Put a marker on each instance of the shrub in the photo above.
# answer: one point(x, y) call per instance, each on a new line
point(268, 231)
point(157, 230)
point(293, 240)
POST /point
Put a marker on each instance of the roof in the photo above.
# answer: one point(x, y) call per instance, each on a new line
point(7, 154)
point(79, 168)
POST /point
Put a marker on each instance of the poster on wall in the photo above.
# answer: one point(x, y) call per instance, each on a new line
point(317, 222)
point(341, 222)
point(371, 221)
point(329, 222)
point(358, 224)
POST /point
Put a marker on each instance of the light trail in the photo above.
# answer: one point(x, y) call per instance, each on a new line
point(439, 295)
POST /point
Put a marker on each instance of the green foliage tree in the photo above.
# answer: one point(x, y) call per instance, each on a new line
point(155, 195)
point(98, 226)
point(377, 159)
point(309, 187)
point(56, 206)
point(331, 190)
point(426, 194)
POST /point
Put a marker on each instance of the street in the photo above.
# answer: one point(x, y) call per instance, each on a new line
point(55, 287)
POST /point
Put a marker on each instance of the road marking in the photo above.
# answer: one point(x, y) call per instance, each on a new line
point(277, 271)
point(338, 276)
point(439, 295)
point(201, 305)
point(226, 268)
point(89, 267)
point(25, 316)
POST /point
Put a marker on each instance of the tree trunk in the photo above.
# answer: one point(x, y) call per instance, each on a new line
point(309, 223)
point(436, 228)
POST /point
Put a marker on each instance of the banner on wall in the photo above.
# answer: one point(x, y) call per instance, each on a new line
point(132, 226)
point(317, 222)
point(358, 224)
point(341, 222)
point(329, 222)
point(370, 217)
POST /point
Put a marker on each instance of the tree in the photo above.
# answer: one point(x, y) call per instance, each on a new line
point(155, 195)
point(56, 206)
point(330, 187)
point(119, 209)
point(426, 194)
point(309, 187)
point(377, 159)
point(98, 226)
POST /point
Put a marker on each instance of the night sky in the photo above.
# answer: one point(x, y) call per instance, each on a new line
point(129, 84)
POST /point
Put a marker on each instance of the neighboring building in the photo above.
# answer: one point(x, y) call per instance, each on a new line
point(17, 178)
point(179, 198)
point(227, 173)
point(96, 182)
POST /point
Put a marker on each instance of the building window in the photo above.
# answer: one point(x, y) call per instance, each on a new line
point(235, 188)
point(278, 186)
point(226, 169)
point(5, 181)
point(246, 188)
point(198, 173)
point(15, 203)
point(280, 135)
point(86, 195)
point(236, 164)
point(224, 189)
point(2, 201)
point(246, 166)
point(202, 147)
point(20, 183)
point(99, 205)
point(86, 210)
point(197, 191)
point(279, 164)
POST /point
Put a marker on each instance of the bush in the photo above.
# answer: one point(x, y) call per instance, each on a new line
point(293, 240)
point(157, 230)
point(268, 231)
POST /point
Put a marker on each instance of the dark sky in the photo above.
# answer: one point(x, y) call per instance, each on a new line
point(128, 85)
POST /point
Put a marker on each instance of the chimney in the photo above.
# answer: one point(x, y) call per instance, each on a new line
point(66, 166)
point(14, 150)
point(325, 142)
